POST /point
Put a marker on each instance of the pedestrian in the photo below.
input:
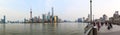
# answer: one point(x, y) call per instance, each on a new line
point(102, 23)
point(94, 23)
point(106, 23)
point(98, 25)
point(110, 25)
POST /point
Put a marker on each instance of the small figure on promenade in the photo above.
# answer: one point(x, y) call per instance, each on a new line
point(102, 23)
point(94, 23)
point(106, 23)
point(98, 25)
point(109, 25)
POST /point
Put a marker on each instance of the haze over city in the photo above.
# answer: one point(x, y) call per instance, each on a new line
point(65, 9)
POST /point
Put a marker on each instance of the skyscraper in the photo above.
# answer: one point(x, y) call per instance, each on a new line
point(79, 20)
point(48, 17)
point(4, 20)
point(44, 18)
point(55, 19)
point(31, 20)
point(30, 13)
point(38, 18)
point(52, 14)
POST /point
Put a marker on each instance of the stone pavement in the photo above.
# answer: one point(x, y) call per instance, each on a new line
point(113, 31)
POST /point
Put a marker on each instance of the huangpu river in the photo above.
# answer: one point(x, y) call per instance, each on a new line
point(42, 28)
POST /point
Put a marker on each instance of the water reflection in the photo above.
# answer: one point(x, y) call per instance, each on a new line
point(42, 29)
point(31, 32)
point(49, 28)
point(4, 29)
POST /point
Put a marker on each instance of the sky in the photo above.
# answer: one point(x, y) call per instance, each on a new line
point(65, 9)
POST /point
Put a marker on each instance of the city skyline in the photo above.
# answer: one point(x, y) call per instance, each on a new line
point(65, 9)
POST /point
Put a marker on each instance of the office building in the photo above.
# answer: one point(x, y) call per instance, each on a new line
point(4, 19)
point(30, 13)
point(55, 19)
point(44, 18)
point(79, 20)
point(116, 18)
point(52, 14)
point(48, 17)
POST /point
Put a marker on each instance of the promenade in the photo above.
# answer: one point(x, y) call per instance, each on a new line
point(113, 31)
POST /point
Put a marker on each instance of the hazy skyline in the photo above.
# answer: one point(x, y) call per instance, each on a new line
point(65, 9)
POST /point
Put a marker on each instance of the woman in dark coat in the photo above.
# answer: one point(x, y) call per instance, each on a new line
point(98, 25)
point(109, 25)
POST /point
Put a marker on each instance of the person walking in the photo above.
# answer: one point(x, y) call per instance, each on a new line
point(106, 23)
point(109, 25)
point(98, 25)
point(102, 23)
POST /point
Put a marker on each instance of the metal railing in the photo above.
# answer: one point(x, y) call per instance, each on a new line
point(90, 30)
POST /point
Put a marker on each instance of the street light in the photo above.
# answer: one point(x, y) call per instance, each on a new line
point(91, 11)
point(94, 27)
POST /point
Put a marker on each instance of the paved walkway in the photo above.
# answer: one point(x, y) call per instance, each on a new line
point(113, 31)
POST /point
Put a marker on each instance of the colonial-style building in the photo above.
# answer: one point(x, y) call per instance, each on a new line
point(116, 18)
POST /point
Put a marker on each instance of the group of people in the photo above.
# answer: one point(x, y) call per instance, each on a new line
point(99, 24)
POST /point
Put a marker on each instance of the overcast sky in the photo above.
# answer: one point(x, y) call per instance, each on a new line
point(65, 9)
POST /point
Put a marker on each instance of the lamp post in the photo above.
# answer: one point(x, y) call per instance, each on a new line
point(91, 11)
point(94, 27)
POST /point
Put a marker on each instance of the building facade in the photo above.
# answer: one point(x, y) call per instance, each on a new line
point(116, 18)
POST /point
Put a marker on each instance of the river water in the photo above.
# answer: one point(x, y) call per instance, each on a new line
point(42, 29)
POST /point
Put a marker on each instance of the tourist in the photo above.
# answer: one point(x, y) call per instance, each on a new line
point(109, 25)
point(94, 23)
point(98, 25)
point(102, 23)
point(106, 23)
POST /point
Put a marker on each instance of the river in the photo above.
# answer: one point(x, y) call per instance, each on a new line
point(42, 29)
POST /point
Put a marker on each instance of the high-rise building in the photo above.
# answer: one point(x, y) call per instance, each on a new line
point(79, 20)
point(52, 14)
point(4, 19)
point(48, 17)
point(30, 13)
point(44, 18)
point(35, 19)
point(25, 20)
point(31, 20)
point(51, 18)
point(38, 18)
point(52, 11)
point(55, 19)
